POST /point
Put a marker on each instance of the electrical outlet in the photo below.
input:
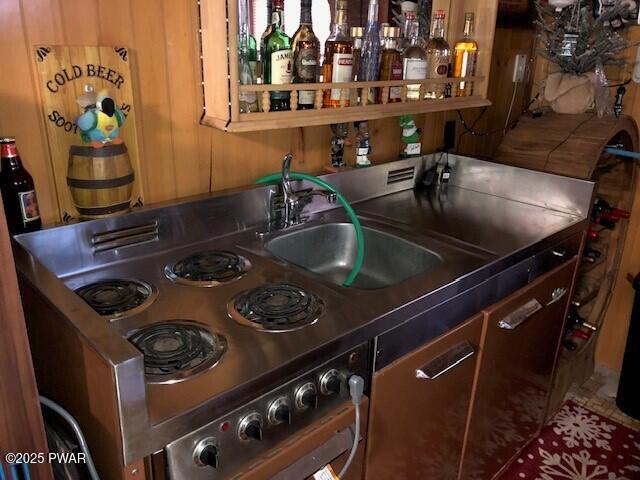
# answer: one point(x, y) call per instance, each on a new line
point(519, 67)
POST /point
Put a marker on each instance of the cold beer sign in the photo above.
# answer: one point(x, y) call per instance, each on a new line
point(65, 74)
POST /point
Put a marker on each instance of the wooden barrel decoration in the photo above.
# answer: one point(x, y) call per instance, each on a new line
point(100, 180)
point(574, 145)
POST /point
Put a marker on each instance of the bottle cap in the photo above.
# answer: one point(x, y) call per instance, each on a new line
point(278, 4)
point(410, 15)
point(340, 4)
point(408, 6)
point(391, 32)
point(469, 16)
point(440, 14)
point(7, 139)
point(357, 32)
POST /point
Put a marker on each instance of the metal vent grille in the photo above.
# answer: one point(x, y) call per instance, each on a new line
point(126, 237)
point(401, 175)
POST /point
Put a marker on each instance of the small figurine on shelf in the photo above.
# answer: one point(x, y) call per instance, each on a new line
point(617, 106)
point(363, 145)
point(101, 121)
point(410, 137)
point(340, 132)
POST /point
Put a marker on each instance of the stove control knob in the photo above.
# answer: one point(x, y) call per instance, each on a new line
point(206, 453)
point(279, 411)
point(306, 396)
point(250, 427)
point(330, 382)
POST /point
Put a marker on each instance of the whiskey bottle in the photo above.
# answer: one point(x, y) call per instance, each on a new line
point(356, 37)
point(338, 55)
point(438, 57)
point(465, 57)
point(18, 191)
point(414, 61)
point(278, 59)
point(391, 63)
point(306, 56)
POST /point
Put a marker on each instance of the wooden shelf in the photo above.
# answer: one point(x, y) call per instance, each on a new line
point(272, 120)
point(219, 46)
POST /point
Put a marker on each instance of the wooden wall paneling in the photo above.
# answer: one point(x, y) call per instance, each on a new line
point(185, 97)
point(20, 112)
point(21, 426)
point(148, 22)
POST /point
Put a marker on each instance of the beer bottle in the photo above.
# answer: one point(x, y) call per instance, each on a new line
point(18, 191)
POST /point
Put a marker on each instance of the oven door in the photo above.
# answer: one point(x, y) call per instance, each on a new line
point(327, 441)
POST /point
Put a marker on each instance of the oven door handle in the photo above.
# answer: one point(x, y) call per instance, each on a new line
point(445, 362)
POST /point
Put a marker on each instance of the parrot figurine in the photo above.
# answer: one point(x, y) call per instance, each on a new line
point(101, 121)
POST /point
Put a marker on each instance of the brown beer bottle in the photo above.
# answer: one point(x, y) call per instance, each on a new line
point(18, 191)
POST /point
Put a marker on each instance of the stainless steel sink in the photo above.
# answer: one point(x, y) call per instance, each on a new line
point(330, 250)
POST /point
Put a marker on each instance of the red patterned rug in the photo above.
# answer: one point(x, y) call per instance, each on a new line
point(578, 444)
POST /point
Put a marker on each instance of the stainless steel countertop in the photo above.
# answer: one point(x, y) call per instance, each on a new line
point(479, 235)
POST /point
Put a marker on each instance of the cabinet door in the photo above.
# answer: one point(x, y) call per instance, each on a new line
point(419, 408)
point(521, 339)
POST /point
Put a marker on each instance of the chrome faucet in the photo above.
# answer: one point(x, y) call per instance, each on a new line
point(287, 209)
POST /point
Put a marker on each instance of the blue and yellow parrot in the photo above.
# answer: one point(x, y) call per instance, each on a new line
point(100, 123)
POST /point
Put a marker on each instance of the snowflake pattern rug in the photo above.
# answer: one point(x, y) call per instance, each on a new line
point(578, 444)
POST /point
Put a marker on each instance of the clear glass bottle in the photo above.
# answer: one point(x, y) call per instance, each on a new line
point(414, 61)
point(338, 55)
point(357, 34)
point(248, 100)
point(391, 63)
point(465, 57)
point(268, 29)
point(370, 57)
point(306, 56)
point(278, 59)
point(405, 41)
point(438, 57)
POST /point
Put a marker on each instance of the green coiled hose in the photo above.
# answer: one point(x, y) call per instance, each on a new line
point(277, 177)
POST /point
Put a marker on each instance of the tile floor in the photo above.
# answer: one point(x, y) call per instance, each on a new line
point(598, 394)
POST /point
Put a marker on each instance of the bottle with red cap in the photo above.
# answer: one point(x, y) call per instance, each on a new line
point(18, 190)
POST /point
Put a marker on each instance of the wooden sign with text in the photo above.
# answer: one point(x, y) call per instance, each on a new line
point(64, 72)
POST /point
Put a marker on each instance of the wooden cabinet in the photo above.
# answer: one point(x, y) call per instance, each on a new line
point(521, 338)
point(219, 45)
point(419, 408)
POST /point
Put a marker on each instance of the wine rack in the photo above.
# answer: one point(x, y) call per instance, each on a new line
point(221, 80)
point(574, 145)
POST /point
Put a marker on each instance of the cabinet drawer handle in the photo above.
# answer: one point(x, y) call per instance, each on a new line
point(557, 295)
point(445, 362)
point(519, 316)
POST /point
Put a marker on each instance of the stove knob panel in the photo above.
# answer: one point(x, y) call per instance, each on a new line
point(279, 411)
point(250, 427)
point(330, 382)
point(206, 453)
point(306, 397)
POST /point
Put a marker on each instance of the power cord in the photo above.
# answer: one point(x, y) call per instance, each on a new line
point(356, 389)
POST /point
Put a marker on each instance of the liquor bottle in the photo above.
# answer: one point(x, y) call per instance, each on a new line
point(438, 57)
point(363, 145)
point(278, 59)
point(306, 56)
point(357, 34)
point(465, 57)
point(18, 191)
point(248, 101)
point(370, 57)
point(338, 55)
point(268, 29)
point(414, 61)
point(405, 41)
point(391, 63)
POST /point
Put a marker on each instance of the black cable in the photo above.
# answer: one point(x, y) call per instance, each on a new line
point(566, 139)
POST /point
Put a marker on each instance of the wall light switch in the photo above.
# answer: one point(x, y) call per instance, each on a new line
point(520, 67)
